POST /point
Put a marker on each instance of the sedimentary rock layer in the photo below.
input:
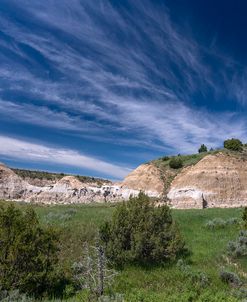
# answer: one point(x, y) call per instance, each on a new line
point(64, 191)
point(218, 180)
point(146, 178)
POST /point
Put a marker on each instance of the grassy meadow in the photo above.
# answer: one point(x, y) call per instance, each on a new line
point(207, 247)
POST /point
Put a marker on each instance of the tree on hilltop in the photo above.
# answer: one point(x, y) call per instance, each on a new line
point(176, 162)
point(203, 148)
point(233, 144)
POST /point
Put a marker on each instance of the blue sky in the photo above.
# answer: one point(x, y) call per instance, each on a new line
point(99, 87)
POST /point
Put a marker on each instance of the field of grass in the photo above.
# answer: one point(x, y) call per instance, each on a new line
point(79, 223)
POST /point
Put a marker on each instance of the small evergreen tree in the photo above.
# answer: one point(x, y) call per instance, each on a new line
point(176, 163)
point(203, 148)
point(27, 252)
point(233, 144)
point(165, 158)
point(140, 232)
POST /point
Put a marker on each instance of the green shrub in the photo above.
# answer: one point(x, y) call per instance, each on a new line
point(28, 252)
point(230, 278)
point(238, 248)
point(165, 158)
point(240, 294)
point(14, 296)
point(196, 277)
point(176, 163)
point(203, 148)
point(233, 144)
point(232, 220)
point(60, 217)
point(140, 232)
point(217, 223)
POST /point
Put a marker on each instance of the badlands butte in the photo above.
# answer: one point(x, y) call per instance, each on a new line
point(208, 179)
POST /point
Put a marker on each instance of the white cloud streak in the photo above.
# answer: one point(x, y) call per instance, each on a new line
point(33, 152)
point(45, 117)
point(181, 128)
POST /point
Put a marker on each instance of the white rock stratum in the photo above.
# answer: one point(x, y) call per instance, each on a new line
point(218, 180)
point(65, 191)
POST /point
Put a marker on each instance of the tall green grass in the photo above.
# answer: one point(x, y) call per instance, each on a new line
point(164, 282)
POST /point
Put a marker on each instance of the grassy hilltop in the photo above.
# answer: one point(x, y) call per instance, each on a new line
point(168, 173)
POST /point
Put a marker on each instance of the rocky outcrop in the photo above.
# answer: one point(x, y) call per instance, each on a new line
point(218, 180)
point(11, 185)
point(64, 191)
point(146, 178)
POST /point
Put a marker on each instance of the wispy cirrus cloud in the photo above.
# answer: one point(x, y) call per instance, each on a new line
point(179, 126)
point(43, 116)
point(90, 67)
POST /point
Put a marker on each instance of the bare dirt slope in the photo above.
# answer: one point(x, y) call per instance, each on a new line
point(218, 180)
point(147, 178)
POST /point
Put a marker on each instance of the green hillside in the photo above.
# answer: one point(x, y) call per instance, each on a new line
point(168, 173)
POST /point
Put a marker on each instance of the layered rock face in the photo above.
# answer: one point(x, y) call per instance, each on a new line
point(64, 191)
point(218, 180)
point(11, 185)
point(70, 190)
point(146, 178)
